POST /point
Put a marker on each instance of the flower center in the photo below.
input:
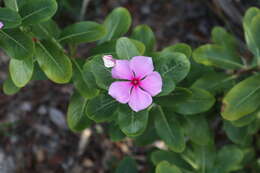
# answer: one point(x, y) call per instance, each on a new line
point(135, 81)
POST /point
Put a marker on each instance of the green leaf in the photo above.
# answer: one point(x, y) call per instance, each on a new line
point(9, 87)
point(200, 101)
point(221, 37)
point(215, 82)
point(117, 23)
point(76, 117)
point(37, 11)
point(102, 74)
point(251, 14)
point(218, 56)
point(16, 44)
point(10, 18)
point(101, 108)
point(104, 48)
point(83, 80)
point(242, 99)
point(238, 135)
point(46, 30)
point(127, 165)
point(171, 157)
point(246, 119)
point(130, 122)
point(173, 68)
point(115, 134)
point(139, 45)
point(38, 74)
point(21, 71)
point(53, 61)
point(169, 129)
point(126, 49)
point(12, 4)
point(82, 32)
point(255, 29)
point(181, 48)
point(177, 96)
point(165, 167)
point(228, 159)
point(144, 34)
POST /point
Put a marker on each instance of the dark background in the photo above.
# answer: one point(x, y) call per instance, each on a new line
point(34, 137)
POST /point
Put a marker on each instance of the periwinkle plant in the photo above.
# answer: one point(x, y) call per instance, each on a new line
point(171, 96)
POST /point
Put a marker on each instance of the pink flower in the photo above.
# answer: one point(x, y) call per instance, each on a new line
point(141, 82)
point(1, 25)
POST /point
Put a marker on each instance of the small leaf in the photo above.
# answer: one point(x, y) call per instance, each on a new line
point(83, 80)
point(12, 4)
point(127, 165)
point(21, 71)
point(117, 23)
point(215, 55)
point(76, 117)
point(139, 45)
point(130, 122)
point(165, 167)
point(180, 48)
point(53, 61)
point(144, 34)
point(242, 99)
point(9, 87)
point(101, 108)
point(10, 18)
point(16, 44)
point(169, 129)
point(46, 30)
point(37, 11)
point(126, 49)
point(200, 101)
point(82, 32)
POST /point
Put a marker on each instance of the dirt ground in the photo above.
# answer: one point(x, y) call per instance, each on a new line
point(34, 137)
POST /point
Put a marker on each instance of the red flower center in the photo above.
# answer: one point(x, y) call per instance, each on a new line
point(135, 81)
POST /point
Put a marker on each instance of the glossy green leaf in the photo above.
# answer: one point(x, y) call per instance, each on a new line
point(54, 62)
point(21, 71)
point(12, 4)
point(199, 134)
point(144, 34)
point(139, 45)
point(255, 29)
point(16, 44)
point(200, 101)
point(215, 82)
point(38, 74)
point(117, 23)
point(180, 48)
point(9, 87)
point(101, 108)
point(37, 11)
point(173, 68)
point(126, 49)
point(246, 119)
point(127, 165)
point(166, 167)
point(83, 80)
point(171, 157)
point(106, 48)
point(169, 129)
point(221, 37)
point(130, 122)
point(242, 99)
point(115, 134)
point(10, 18)
point(82, 32)
point(46, 30)
point(228, 159)
point(216, 55)
point(101, 73)
point(76, 117)
point(178, 95)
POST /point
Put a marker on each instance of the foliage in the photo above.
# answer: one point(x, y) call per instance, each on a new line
point(186, 115)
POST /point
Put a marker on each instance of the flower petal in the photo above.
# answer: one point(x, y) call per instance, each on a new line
point(109, 61)
point(120, 91)
point(141, 66)
point(122, 70)
point(139, 99)
point(152, 83)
